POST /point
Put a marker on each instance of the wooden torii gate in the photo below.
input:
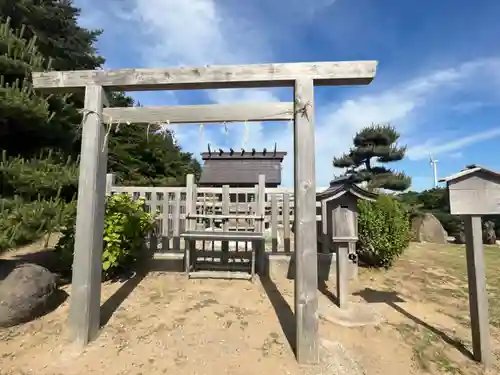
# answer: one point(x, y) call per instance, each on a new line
point(84, 316)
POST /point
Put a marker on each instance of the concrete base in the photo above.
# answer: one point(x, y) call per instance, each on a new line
point(279, 263)
point(167, 262)
point(354, 315)
point(275, 264)
point(334, 359)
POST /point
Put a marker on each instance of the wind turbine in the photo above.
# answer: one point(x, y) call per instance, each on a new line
point(434, 162)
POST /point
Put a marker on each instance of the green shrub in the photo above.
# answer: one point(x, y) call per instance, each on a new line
point(384, 231)
point(126, 225)
point(47, 176)
point(24, 222)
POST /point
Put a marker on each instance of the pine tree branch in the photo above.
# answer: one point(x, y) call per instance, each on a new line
point(344, 161)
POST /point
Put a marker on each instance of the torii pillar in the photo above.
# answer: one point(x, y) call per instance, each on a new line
point(302, 77)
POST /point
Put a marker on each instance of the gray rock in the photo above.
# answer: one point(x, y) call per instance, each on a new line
point(489, 235)
point(427, 228)
point(26, 291)
point(460, 238)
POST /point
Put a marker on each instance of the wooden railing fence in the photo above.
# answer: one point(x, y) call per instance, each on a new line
point(170, 204)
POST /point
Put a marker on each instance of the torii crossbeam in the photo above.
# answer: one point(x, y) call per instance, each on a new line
point(86, 290)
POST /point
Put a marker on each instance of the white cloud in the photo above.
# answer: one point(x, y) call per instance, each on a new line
point(440, 146)
point(199, 32)
point(456, 155)
point(467, 107)
point(337, 124)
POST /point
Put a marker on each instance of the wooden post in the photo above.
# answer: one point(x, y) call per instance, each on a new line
point(260, 206)
point(342, 264)
point(110, 182)
point(225, 223)
point(165, 231)
point(274, 223)
point(190, 205)
point(153, 235)
point(306, 257)
point(353, 262)
point(176, 219)
point(86, 291)
point(286, 222)
point(84, 316)
point(261, 202)
point(325, 241)
point(478, 297)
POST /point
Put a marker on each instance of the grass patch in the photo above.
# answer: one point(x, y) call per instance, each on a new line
point(436, 275)
point(428, 349)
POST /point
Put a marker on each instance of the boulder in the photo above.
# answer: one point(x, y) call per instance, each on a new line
point(427, 228)
point(26, 291)
point(460, 238)
point(460, 235)
point(489, 235)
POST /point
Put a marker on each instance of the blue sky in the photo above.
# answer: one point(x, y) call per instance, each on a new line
point(438, 80)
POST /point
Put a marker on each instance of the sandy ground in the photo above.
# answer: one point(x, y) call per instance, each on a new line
point(163, 323)
point(166, 325)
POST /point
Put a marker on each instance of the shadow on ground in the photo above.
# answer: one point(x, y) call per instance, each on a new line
point(392, 298)
point(324, 289)
point(112, 304)
point(283, 310)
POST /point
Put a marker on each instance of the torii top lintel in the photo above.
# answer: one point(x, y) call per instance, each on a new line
point(210, 77)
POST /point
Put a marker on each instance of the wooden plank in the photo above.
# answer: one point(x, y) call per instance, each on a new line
point(190, 197)
point(222, 236)
point(234, 266)
point(212, 113)
point(292, 217)
point(220, 275)
point(153, 236)
point(274, 223)
point(145, 189)
point(211, 218)
point(342, 264)
point(223, 217)
point(225, 224)
point(165, 229)
point(306, 257)
point(210, 77)
point(260, 210)
point(478, 297)
point(325, 241)
point(478, 200)
point(286, 222)
point(110, 182)
point(337, 239)
point(353, 263)
point(219, 254)
point(173, 189)
point(176, 220)
point(84, 315)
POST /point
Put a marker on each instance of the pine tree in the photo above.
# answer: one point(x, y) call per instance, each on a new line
point(142, 158)
point(379, 142)
point(27, 120)
point(136, 157)
point(54, 23)
point(37, 185)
